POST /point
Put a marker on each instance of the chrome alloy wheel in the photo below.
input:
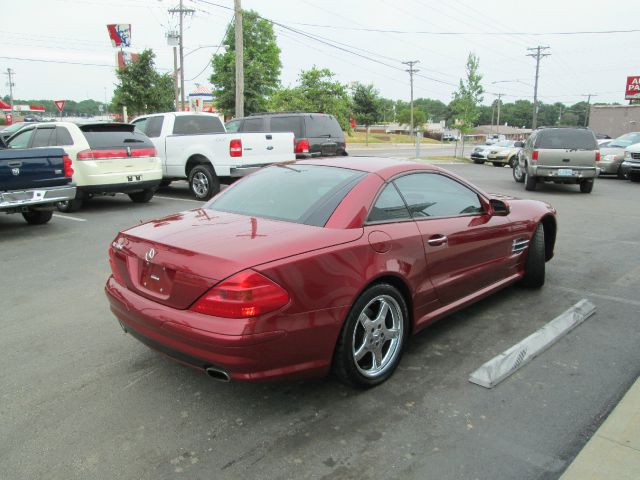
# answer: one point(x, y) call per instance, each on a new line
point(377, 336)
point(200, 184)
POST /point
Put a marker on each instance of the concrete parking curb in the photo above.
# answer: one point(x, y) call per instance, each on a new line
point(614, 450)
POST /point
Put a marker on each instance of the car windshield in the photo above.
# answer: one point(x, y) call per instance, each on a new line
point(506, 143)
point(13, 128)
point(625, 140)
point(566, 138)
point(296, 193)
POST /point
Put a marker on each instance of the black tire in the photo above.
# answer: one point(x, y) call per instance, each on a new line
point(518, 173)
point(143, 196)
point(634, 177)
point(586, 186)
point(512, 161)
point(375, 336)
point(70, 206)
point(498, 164)
point(529, 182)
point(37, 217)
point(203, 182)
point(165, 183)
point(534, 265)
point(478, 162)
point(621, 175)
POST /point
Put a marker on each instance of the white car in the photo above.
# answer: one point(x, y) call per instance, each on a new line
point(107, 158)
point(197, 147)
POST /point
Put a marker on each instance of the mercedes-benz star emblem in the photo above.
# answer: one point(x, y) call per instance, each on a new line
point(149, 255)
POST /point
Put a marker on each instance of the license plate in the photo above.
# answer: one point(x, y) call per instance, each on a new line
point(565, 172)
point(134, 178)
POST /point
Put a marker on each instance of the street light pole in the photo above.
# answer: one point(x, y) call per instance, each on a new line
point(412, 71)
point(239, 60)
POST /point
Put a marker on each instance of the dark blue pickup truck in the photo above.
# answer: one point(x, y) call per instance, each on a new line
point(33, 181)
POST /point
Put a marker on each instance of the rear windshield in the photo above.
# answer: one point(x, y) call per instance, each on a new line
point(296, 193)
point(107, 139)
point(287, 124)
point(566, 138)
point(197, 125)
point(625, 140)
point(323, 126)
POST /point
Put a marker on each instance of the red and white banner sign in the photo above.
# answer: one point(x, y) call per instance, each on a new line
point(59, 104)
point(633, 88)
point(120, 34)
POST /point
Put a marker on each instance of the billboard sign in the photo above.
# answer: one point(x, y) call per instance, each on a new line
point(633, 88)
point(120, 34)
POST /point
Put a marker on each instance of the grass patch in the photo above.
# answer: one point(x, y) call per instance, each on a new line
point(382, 138)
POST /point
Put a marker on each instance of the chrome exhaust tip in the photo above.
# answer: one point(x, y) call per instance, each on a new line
point(217, 374)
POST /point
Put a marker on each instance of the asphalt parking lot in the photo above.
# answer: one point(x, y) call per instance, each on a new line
point(80, 399)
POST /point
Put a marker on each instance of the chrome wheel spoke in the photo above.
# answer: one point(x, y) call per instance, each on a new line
point(361, 351)
point(377, 358)
point(384, 310)
point(391, 333)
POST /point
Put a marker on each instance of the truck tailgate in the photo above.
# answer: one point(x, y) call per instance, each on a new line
point(265, 148)
point(32, 168)
point(566, 157)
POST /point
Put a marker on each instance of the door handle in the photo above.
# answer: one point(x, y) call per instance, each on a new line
point(270, 147)
point(436, 240)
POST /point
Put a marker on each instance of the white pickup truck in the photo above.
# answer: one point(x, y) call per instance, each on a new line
point(197, 147)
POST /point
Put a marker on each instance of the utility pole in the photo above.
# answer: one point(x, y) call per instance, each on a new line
point(11, 85)
point(412, 71)
point(181, 11)
point(588, 112)
point(498, 120)
point(239, 60)
point(537, 55)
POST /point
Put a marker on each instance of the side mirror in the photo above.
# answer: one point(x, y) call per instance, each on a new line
point(519, 144)
point(499, 207)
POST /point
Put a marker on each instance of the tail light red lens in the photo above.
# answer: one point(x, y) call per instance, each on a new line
point(66, 163)
point(246, 294)
point(116, 153)
point(302, 146)
point(144, 152)
point(117, 275)
point(597, 155)
point(235, 147)
point(534, 155)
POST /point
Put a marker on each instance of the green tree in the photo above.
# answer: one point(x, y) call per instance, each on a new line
point(141, 88)
point(467, 98)
point(404, 117)
point(434, 110)
point(261, 66)
point(317, 91)
point(366, 105)
point(387, 110)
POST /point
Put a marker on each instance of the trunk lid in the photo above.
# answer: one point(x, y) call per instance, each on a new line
point(176, 259)
point(570, 147)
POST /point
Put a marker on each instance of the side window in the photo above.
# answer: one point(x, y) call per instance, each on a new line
point(21, 140)
point(153, 128)
point(253, 125)
point(287, 124)
point(197, 125)
point(389, 206)
point(63, 137)
point(434, 195)
point(43, 137)
point(233, 126)
point(141, 125)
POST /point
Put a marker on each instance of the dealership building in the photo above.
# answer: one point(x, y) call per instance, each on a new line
point(614, 120)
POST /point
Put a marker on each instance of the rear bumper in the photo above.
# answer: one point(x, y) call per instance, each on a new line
point(128, 187)
point(19, 200)
point(610, 165)
point(242, 170)
point(301, 346)
point(552, 172)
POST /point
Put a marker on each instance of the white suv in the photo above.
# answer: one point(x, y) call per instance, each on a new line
point(107, 158)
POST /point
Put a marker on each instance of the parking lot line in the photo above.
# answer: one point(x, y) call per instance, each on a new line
point(500, 367)
point(628, 301)
point(174, 198)
point(77, 219)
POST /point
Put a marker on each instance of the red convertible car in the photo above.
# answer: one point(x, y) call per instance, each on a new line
point(320, 265)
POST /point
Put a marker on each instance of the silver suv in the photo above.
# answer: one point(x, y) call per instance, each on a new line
point(559, 155)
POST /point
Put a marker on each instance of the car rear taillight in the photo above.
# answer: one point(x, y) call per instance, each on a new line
point(235, 147)
point(144, 152)
point(116, 153)
point(597, 155)
point(534, 155)
point(302, 146)
point(246, 294)
point(115, 271)
point(66, 165)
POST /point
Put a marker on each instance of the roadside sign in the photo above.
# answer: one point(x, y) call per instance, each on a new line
point(9, 119)
point(59, 105)
point(633, 88)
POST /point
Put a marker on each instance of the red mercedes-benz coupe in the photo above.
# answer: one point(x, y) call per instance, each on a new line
point(305, 267)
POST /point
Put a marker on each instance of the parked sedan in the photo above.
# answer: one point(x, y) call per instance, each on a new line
point(479, 153)
point(612, 155)
point(504, 153)
point(324, 264)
